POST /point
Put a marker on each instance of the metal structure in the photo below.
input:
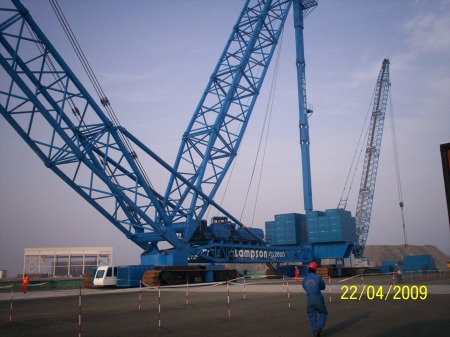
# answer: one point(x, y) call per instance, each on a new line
point(215, 131)
point(304, 112)
point(445, 157)
point(65, 262)
point(56, 116)
point(373, 147)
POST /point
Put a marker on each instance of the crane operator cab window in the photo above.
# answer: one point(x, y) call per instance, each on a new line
point(109, 272)
point(105, 276)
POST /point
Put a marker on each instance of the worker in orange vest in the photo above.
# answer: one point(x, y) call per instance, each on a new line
point(399, 274)
point(25, 282)
point(297, 274)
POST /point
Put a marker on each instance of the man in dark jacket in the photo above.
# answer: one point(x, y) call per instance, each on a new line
point(313, 284)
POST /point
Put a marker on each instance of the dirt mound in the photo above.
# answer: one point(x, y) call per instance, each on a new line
point(378, 253)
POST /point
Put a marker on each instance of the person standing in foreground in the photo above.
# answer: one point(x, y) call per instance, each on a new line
point(313, 285)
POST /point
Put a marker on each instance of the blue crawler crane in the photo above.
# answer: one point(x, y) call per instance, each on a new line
point(82, 142)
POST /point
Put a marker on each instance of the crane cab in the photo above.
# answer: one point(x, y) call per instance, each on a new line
point(105, 276)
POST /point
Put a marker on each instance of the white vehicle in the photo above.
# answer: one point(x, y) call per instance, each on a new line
point(105, 276)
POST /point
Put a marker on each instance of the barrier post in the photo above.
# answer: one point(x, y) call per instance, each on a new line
point(159, 305)
point(244, 287)
point(329, 287)
point(228, 291)
point(159, 327)
point(11, 304)
point(187, 290)
point(79, 314)
point(289, 297)
point(140, 294)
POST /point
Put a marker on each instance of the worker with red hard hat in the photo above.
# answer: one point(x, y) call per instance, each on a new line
point(313, 285)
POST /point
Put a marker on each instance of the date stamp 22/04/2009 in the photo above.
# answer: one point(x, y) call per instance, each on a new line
point(397, 292)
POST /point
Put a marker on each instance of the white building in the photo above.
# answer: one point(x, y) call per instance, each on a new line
point(65, 262)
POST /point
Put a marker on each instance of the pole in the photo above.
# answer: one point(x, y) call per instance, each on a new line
point(187, 290)
point(11, 304)
point(244, 287)
point(303, 110)
point(229, 307)
point(140, 294)
point(329, 287)
point(289, 297)
point(159, 305)
point(79, 314)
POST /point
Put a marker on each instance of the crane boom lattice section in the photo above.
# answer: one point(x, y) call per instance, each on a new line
point(369, 174)
point(55, 115)
point(215, 131)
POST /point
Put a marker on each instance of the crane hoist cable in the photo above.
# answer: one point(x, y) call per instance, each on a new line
point(267, 118)
point(354, 165)
point(397, 166)
point(96, 84)
point(270, 109)
point(264, 132)
point(72, 104)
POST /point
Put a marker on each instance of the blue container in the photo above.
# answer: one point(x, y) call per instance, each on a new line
point(130, 276)
point(286, 229)
point(333, 225)
point(419, 263)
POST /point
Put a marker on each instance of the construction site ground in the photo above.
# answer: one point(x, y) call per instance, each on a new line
point(260, 308)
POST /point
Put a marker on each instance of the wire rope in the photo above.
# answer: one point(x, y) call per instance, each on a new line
point(237, 131)
point(96, 84)
point(265, 130)
point(397, 165)
point(354, 165)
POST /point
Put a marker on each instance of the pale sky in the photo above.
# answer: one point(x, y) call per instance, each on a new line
point(154, 58)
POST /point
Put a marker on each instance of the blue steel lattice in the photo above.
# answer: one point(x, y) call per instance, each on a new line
point(55, 115)
point(373, 147)
point(215, 132)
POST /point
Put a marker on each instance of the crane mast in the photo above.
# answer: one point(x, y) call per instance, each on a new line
point(369, 174)
point(300, 11)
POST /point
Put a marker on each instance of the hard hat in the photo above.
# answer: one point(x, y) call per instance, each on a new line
point(312, 265)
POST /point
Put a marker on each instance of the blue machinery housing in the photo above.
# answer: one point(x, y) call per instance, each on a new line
point(42, 99)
